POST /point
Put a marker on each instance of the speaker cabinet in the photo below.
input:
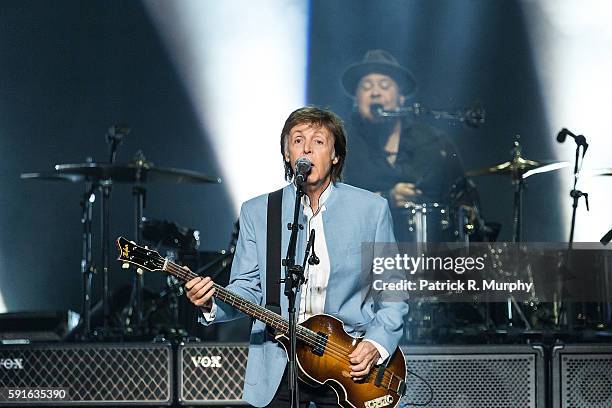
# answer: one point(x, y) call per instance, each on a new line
point(582, 376)
point(86, 374)
point(211, 373)
point(475, 376)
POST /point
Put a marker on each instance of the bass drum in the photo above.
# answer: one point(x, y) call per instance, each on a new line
point(431, 222)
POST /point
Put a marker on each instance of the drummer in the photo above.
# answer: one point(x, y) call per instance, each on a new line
point(405, 161)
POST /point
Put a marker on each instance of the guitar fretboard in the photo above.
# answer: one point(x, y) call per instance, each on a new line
point(256, 311)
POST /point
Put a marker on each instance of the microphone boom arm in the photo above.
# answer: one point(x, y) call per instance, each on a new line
point(473, 116)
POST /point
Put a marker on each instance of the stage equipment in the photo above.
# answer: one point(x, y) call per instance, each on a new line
point(428, 222)
point(27, 327)
point(211, 373)
point(87, 374)
point(479, 376)
point(170, 234)
point(103, 176)
point(575, 194)
point(518, 169)
point(473, 116)
point(322, 347)
point(605, 240)
point(582, 376)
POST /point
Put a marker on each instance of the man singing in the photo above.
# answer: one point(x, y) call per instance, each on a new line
point(403, 160)
point(343, 218)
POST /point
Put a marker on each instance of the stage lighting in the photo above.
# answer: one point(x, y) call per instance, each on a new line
point(571, 43)
point(244, 66)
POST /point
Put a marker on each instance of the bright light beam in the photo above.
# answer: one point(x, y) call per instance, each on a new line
point(244, 66)
point(572, 41)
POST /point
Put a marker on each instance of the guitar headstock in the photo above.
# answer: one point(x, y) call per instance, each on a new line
point(132, 253)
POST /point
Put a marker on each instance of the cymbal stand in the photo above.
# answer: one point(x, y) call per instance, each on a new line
point(87, 267)
point(139, 193)
point(105, 187)
point(114, 136)
point(517, 236)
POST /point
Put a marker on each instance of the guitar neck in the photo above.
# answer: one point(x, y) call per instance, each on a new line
point(247, 307)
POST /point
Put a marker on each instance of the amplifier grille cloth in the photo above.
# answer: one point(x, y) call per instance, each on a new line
point(206, 381)
point(587, 381)
point(474, 381)
point(103, 373)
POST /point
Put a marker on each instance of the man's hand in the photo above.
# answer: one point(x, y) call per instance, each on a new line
point(200, 291)
point(402, 193)
point(363, 359)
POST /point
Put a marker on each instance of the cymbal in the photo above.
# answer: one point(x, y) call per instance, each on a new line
point(52, 177)
point(122, 173)
point(519, 167)
point(596, 172)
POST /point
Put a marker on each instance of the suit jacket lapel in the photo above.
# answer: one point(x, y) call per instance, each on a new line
point(334, 246)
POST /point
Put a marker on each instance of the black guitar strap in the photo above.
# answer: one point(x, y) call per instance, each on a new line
point(273, 251)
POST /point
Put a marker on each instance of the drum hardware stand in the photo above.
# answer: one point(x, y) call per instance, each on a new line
point(87, 267)
point(518, 168)
point(114, 138)
point(102, 176)
point(517, 233)
point(139, 193)
point(105, 186)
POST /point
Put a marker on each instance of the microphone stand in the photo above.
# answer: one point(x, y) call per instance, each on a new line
point(294, 277)
point(575, 195)
point(473, 116)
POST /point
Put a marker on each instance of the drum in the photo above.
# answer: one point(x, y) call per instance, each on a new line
point(430, 222)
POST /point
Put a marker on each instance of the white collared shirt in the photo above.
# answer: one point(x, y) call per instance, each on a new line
point(312, 299)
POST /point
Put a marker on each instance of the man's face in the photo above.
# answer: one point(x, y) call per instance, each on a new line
point(317, 144)
point(377, 89)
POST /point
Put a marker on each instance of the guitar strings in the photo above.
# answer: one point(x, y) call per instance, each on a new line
point(336, 350)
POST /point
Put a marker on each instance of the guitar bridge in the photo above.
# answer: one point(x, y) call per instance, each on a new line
point(320, 345)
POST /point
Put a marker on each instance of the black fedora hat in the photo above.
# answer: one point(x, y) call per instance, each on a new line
point(382, 62)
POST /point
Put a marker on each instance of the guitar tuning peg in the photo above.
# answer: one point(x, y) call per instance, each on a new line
point(133, 242)
point(146, 247)
point(139, 271)
point(125, 265)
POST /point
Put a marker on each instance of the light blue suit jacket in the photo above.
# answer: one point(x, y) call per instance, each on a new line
point(353, 216)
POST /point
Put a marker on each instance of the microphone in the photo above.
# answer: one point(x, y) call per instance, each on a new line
point(302, 168)
point(114, 136)
point(562, 135)
point(313, 259)
point(579, 139)
point(116, 133)
point(376, 109)
point(605, 240)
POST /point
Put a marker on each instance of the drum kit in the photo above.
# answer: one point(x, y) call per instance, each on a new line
point(460, 221)
point(100, 177)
